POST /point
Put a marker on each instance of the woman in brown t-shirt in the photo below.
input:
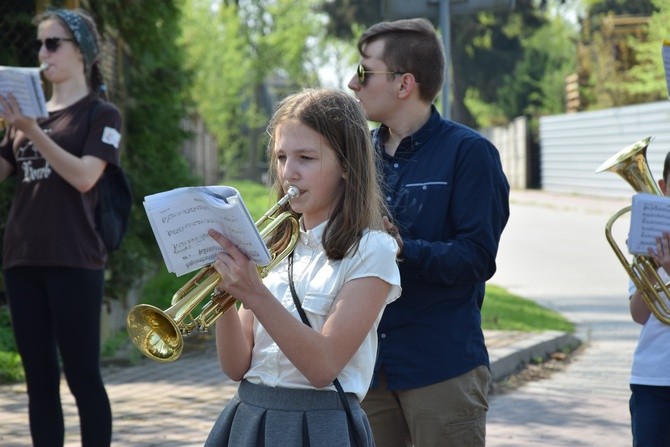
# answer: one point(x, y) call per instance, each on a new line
point(53, 259)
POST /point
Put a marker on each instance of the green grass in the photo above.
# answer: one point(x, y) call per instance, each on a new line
point(505, 311)
point(501, 310)
point(256, 197)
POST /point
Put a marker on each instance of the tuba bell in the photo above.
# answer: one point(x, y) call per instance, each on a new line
point(631, 164)
point(159, 334)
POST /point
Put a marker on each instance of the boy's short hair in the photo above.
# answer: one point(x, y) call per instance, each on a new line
point(666, 167)
point(410, 46)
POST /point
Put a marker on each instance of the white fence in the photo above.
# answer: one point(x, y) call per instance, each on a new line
point(201, 151)
point(512, 143)
point(573, 146)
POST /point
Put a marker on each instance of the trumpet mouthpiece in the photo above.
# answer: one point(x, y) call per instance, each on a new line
point(293, 192)
point(44, 66)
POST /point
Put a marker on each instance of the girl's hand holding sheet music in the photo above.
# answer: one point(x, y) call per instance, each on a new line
point(239, 275)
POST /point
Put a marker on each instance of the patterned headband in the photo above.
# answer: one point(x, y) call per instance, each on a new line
point(82, 34)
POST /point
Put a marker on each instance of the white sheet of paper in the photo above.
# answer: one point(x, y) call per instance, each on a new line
point(24, 83)
point(180, 219)
point(650, 216)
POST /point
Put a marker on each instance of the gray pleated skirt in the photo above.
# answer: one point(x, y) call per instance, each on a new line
point(265, 416)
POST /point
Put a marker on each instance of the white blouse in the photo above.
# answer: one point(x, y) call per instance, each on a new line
point(317, 281)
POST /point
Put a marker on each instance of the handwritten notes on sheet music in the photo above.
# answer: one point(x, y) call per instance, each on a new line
point(180, 219)
point(650, 216)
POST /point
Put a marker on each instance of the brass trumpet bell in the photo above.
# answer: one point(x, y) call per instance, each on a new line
point(156, 332)
point(159, 334)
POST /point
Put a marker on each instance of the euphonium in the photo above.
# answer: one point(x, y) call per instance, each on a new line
point(159, 334)
point(631, 164)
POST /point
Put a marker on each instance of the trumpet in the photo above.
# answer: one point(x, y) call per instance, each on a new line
point(631, 164)
point(159, 334)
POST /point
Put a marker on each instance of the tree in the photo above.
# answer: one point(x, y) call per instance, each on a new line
point(153, 106)
point(615, 52)
point(343, 14)
point(216, 54)
point(246, 54)
point(494, 79)
point(619, 7)
point(537, 86)
point(149, 90)
point(647, 76)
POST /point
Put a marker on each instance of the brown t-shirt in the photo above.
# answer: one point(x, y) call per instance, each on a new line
point(50, 223)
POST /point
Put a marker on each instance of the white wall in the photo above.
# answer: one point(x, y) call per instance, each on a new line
point(512, 143)
point(573, 146)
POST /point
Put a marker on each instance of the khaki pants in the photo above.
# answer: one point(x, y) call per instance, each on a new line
point(447, 414)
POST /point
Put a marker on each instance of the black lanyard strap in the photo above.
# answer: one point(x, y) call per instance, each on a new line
point(304, 319)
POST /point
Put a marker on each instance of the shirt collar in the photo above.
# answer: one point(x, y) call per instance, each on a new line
point(410, 143)
point(312, 238)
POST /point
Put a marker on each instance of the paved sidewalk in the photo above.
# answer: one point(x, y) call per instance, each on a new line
point(554, 251)
point(175, 404)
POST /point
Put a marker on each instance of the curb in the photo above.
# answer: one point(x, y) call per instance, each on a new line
point(510, 359)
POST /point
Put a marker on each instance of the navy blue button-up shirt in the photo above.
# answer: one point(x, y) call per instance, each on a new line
point(447, 192)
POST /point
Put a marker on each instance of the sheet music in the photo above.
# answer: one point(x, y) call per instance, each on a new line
point(25, 84)
point(650, 216)
point(180, 219)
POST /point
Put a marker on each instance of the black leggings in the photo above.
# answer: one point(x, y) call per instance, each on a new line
point(57, 310)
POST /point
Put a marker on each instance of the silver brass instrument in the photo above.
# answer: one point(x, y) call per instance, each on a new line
point(631, 164)
point(159, 334)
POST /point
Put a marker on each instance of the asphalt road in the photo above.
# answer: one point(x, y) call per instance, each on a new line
point(554, 251)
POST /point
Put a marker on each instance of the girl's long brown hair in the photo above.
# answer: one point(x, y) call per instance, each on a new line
point(341, 121)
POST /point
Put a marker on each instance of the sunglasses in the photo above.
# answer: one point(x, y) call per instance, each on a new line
point(361, 72)
point(51, 43)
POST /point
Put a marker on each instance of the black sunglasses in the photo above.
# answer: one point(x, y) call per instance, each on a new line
point(51, 43)
point(361, 72)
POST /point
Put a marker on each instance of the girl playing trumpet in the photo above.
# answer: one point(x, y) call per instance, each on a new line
point(342, 273)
